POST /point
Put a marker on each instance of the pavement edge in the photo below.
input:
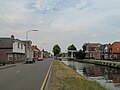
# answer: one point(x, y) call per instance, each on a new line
point(46, 77)
point(4, 67)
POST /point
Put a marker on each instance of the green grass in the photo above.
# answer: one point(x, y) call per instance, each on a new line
point(65, 78)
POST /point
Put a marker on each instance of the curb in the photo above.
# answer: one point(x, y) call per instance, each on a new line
point(46, 78)
point(4, 67)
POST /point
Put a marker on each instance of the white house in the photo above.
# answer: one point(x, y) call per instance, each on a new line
point(11, 50)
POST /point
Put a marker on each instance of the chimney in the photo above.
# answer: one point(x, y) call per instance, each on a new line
point(12, 37)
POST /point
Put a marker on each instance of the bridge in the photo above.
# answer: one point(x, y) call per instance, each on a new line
point(66, 57)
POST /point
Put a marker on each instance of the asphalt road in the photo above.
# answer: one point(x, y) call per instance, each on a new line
point(24, 76)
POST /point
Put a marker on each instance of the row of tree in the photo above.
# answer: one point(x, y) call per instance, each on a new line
point(78, 54)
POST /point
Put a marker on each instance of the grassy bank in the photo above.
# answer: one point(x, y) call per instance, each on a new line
point(65, 78)
point(103, 62)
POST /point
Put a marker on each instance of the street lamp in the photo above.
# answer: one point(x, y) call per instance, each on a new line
point(28, 32)
point(27, 40)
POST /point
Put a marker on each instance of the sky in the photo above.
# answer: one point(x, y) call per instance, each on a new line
point(62, 22)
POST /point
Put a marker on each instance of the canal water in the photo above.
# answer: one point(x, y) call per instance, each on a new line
point(106, 76)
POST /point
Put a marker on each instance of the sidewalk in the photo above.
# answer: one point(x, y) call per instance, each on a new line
point(7, 66)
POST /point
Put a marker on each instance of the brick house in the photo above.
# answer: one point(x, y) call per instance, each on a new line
point(107, 52)
point(36, 52)
point(46, 54)
point(11, 50)
point(98, 54)
point(92, 50)
point(115, 50)
point(103, 52)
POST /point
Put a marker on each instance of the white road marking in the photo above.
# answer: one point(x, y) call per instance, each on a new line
point(17, 71)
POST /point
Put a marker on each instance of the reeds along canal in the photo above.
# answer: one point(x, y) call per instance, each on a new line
point(106, 76)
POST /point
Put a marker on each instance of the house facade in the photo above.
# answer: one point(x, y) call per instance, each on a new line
point(92, 50)
point(103, 52)
point(11, 50)
point(115, 50)
point(36, 52)
point(107, 52)
point(46, 54)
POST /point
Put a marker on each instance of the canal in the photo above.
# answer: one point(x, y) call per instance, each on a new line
point(106, 76)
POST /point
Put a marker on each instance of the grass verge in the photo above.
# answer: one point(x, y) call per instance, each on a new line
point(65, 78)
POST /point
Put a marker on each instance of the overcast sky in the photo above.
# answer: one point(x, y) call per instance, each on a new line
point(62, 22)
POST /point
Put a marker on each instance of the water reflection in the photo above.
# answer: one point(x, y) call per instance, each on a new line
point(108, 77)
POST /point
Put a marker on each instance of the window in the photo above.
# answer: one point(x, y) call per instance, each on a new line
point(18, 45)
point(10, 57)
point(21, 46)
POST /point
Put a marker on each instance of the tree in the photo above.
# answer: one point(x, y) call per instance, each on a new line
point(84, 47)
point(71, 47)
point(80, 54)
point(56, 50)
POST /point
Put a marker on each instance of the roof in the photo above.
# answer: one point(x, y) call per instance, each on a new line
point(115, 47)
point(93, 45)
point(6, 43)
point(102, 47)
point(35, 48)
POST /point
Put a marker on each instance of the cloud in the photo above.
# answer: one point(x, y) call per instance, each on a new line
point(61, 21)
point(93, 35)
point(94, 15)
point(52, 6)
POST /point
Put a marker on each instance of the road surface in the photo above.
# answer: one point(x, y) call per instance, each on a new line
point(24, 76)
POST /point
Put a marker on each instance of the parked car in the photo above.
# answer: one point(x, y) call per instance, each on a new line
point(30, 60)
point(40, 59)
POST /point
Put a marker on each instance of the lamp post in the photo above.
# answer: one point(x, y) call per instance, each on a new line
point(28, 32)
point(27, 40)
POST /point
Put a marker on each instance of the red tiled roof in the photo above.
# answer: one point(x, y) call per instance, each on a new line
point(115, 47)
point(35, 48)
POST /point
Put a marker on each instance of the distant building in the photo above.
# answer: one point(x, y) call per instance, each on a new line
point(92, 50)
point(11, 50)
point(115, 50)
point(98, 54)
point(103, 52)
point(36, 52)
point(46, 54)
point(107, 52)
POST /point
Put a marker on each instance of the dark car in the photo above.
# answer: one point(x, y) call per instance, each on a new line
point(30, 60)
point(40, 59)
